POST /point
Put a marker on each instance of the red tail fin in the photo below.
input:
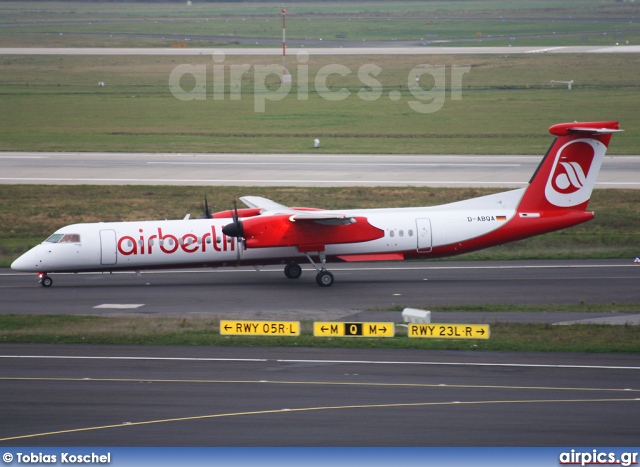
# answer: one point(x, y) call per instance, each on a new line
point(567, 174)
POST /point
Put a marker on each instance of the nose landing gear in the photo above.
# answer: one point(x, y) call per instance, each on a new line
point(45, 281)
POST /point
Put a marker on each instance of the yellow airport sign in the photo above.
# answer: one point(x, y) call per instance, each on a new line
point(449, 331)
point(339, 329)
point(259, 328)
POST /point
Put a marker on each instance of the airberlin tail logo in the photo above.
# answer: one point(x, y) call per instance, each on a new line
point(569, 177)
point(574, 172)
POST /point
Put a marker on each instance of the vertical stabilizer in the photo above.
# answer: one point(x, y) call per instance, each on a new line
point(566, 176)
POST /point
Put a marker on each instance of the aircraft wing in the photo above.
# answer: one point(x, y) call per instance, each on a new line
point(319, 217)
point(263, 203)
point(308, 230)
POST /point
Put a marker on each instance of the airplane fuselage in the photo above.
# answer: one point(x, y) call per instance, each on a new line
point(410, 232)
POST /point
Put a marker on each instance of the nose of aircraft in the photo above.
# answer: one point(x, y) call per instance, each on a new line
point(27, 262)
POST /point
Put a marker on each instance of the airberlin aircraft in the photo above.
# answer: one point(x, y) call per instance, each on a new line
point(269, 233)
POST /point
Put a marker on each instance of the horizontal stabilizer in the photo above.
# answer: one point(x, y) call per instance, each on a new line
point(591, 128)
point(593, 131)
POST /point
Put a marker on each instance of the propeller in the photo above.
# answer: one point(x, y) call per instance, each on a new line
point(236, 229)
point(206, 214)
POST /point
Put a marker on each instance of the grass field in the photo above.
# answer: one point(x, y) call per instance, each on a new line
point(65, 329)
point(506, 105)
point(422, 31)
point(520, 23)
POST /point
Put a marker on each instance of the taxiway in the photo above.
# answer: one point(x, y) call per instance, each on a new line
point(222, 293)
point(100, 168)
point(190, 396)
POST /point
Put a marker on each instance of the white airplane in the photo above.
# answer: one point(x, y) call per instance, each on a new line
point(270, 233)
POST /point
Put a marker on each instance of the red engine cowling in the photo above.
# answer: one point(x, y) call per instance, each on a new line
point(248, 212)
point(279, 231)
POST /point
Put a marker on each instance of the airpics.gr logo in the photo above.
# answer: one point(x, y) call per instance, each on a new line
point(574, 172)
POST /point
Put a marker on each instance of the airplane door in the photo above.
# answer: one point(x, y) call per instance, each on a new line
point(424, 234)
point(108, 247)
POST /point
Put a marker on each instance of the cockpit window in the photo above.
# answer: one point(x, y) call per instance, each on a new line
point(63, 238)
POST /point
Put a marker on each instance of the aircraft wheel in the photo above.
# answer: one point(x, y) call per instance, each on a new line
point(324, 279)
point(46, 281)
point(293, 270)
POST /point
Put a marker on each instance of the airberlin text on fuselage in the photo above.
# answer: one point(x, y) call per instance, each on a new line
point(169, 243)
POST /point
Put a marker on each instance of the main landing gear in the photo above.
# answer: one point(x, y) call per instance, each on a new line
point(324, 278)
point(45, 281)
point(293, 270)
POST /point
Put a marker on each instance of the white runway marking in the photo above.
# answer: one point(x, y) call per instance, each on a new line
point(24, 157)
point(339, 267)
point(168, 359)
point(342, 164)
point(162, 181)
point(548, 49)
point(264, 181)
point(350, 362)
point(411, 50)
point(120, 306)
point(518, 365)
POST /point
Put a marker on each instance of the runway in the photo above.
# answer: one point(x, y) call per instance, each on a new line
point(359, 290)
point(100, 168)
point(189, 396)
point(419, 50)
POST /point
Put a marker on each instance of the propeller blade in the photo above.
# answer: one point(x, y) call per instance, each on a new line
point(240, 252)
point(235, 229)
point(206, 214)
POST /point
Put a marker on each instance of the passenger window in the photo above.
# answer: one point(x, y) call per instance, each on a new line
point(391, 233)
point(401, 233)
point(410, 233)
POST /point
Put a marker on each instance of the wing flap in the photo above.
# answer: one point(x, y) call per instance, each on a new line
point(322, 218)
